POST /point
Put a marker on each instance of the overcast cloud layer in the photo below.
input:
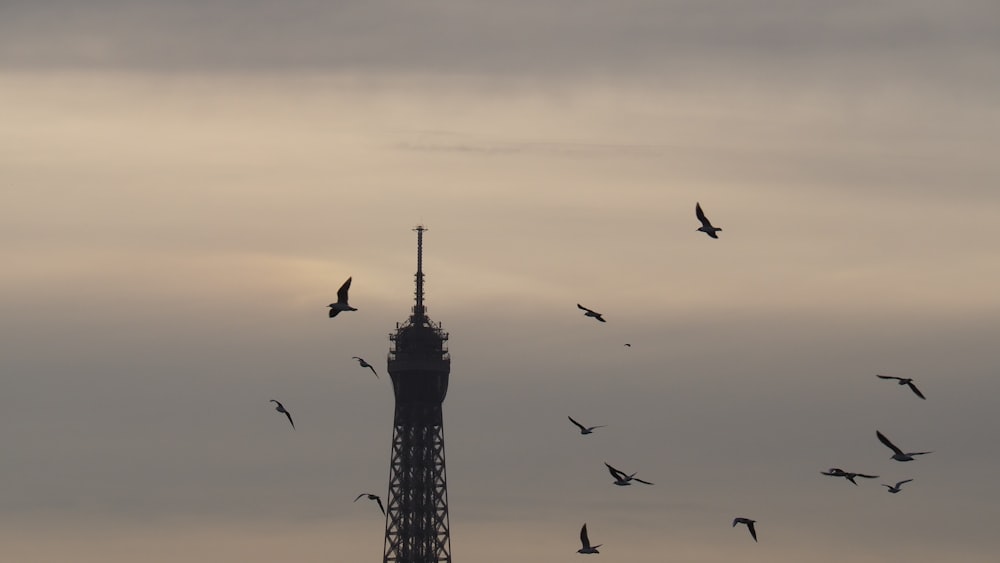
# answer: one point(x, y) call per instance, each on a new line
point(183, 186)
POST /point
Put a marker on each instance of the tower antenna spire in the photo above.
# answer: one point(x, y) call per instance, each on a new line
point(418, 309)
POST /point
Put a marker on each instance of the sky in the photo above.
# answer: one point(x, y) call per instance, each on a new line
point(184, 185)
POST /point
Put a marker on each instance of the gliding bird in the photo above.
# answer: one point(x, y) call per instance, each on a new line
point(585, 429)
point(904, 381)
point(897, 454)
point(623, 480)
point(591, 313)
point(585, 542)
point(375, 498)
point(341, 304)
point(838, 472)
point(281, 408)
point(706, 225)
point(364, 364)
point(897, 487)
point(749, 523)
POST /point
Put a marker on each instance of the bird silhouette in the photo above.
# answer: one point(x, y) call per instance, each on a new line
point(838, 472)
point(375, 498)
point(897, 487)
point(706, 225)
point(341, 304)
point(585, 542)
point(585, 429)
point(622, 479)
point(897, 454)
point(364, 364)
point(591, 313)
point(904, 381)
point(281, 408)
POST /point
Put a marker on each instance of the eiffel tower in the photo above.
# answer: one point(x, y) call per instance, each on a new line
point(416, 529)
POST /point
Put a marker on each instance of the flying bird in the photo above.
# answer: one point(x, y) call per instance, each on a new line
point(585, 542)
point(341, 304)
point(904, 381)
point(364, 364)
point(897, 454)
point(749, 523)
point(897, 487)
point(627, 345)
point(281, 408)
point(585, 429)
point(838, 472)
point(706, 225)
point(591, 313)
point(375, 498)
point(623, 480)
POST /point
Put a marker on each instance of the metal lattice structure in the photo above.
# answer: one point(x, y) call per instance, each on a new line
point(416, 529)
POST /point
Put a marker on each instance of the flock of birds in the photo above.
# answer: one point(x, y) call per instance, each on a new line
point(621, 478)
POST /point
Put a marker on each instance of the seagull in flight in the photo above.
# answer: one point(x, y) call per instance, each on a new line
point(897, 454)
point(897, 487)
point(585, 429)
point(591, 313)
point(375, 498)
point(904, 381)
point(623, 480)
point(364, 364)
point(341, 304)
point(749, 523)
point(838, 472)
point(585, 541)
point(706, 225)
point(281, 408)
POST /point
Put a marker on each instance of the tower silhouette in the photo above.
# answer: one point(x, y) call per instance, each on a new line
point(416, 529)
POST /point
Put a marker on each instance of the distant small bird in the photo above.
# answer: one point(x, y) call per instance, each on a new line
point(341, 304)
point(375, 498)
point(591, 313)
point(706, 225)
point(585, 429)
point(749, 523)
point(838, 472)
point(627, 345)
point(623, 480)
point(904, 381)
point(897, 454)
point(585, 542)
point(281, 408)
point(897, 487)
point(364, 364)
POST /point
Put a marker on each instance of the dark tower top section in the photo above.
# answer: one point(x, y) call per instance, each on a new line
point(419, 363)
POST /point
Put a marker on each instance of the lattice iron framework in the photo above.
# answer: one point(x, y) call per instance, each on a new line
point(417, 529)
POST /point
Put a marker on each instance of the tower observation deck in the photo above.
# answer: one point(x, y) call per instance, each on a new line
point(416, 529)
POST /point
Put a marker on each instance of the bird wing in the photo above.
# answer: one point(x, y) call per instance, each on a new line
point(866, 476)
point(359, 497)
point(289, 415)
point(342, 292)
point(583, 537)
point(373, 370)
point(901, 482)
point(618, 475)
point(753, 532)
point(584, 308)
point(334, 312)
point(380, 507)
point(641, 481)
point(888, 444)
point(576, 423)
point(887, 376)
point(701, 217)
point(916, 391)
